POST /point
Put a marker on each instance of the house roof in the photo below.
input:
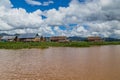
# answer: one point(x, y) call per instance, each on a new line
point(8, 37)
point(28, 35)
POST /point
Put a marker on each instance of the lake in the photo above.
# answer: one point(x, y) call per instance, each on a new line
point(61, 63)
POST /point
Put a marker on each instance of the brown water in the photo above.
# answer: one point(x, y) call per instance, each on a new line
point(94, 63)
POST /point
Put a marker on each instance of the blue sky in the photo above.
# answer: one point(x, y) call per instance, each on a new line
point(61, 17)
point(31, 8)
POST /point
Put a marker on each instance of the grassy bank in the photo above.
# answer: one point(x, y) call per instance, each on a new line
point(24, 45)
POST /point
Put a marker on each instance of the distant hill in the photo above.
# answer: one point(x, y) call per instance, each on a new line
point(76, 38)
point(111, 39)
point(4, 34)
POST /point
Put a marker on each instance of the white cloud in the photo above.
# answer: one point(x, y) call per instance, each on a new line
point(47, 3)
point(79, 31)
point(19, 18)
point(33, 2)
point(5, 3)
point(4, 26)
point(102, 17)
point(38, 3)
point(54, 17)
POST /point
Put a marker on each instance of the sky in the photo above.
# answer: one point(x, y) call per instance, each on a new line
point(81, 18)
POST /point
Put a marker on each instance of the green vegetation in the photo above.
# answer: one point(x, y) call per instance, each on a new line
point(24, 45)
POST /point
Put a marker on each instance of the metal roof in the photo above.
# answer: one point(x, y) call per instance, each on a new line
point(8, 37)
point(28, 35)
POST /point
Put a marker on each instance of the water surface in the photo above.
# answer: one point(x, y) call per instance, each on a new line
point(93, 63)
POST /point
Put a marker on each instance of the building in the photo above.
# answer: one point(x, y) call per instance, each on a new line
point(94, 39)
point(29, 37)
point(9, 38)
point(0, 37)
point(42, 39)
point(59, 39)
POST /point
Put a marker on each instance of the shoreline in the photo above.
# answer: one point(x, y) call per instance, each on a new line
point(45, 45)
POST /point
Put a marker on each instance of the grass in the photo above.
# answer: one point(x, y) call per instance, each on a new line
point(42, 45)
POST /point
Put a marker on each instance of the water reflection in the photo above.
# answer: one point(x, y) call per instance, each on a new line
point(94, 63)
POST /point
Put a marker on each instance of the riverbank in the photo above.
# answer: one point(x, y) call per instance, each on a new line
point(42, 45)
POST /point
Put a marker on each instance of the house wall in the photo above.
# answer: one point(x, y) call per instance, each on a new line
point(36, 39)
point(26, 39)
point(58, 39)
point(32, 39)
point(94, 39)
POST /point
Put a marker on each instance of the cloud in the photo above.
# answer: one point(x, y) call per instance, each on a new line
point(33, 2)
point(19, 18)
point(4, 26)
point(92, 17)
point(5, 3)
point(47, 3)
point(13, 19)
point(38, 3)
point(101, 17)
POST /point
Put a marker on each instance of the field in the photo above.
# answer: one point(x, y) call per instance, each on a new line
point(42, 45)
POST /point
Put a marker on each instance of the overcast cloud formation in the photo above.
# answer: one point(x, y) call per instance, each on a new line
point(92, 17)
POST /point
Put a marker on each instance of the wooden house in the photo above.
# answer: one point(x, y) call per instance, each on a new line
point(94, 39)
point(30, 37)
point(59, 39)
point(42, 39)
point(0, 37)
